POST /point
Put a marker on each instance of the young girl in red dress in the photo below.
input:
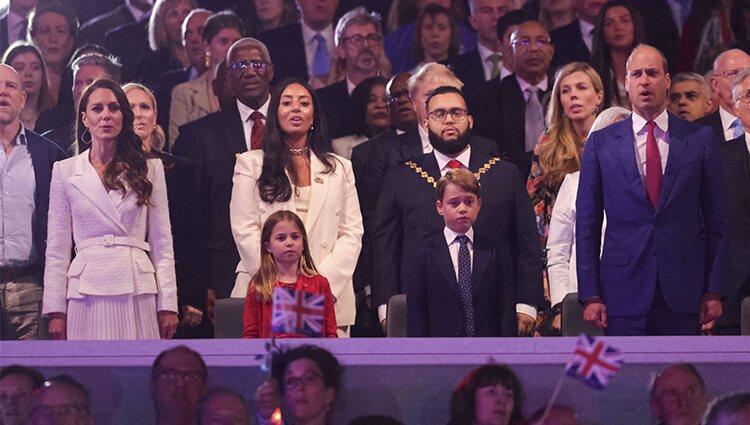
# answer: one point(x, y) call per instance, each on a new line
point(286, 263)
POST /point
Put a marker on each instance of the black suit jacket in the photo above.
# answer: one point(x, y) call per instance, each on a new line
point(468, 68)
point(714, 121)
point(499, 114)
point(336, 104)
point(4, 34)
point(43, 153)
point(162, 86)
point(129, 42)
point(212, 145)
point(661, 29)
point(434, 306)
point(569, 45)
point(737, 177)
point(94, 30)
point(406, 216)
point(287, 49)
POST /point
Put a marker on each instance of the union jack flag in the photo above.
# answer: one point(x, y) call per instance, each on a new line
point(297, 312)
point(594, 362)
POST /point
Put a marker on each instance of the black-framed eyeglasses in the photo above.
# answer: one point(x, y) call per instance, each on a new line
point(396, 95)
point(359, 40)
point(439, 115)
point(525, 42)
point(258, 66)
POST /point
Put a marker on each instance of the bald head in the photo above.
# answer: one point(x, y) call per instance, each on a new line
point(12, 98)
point(726, 67)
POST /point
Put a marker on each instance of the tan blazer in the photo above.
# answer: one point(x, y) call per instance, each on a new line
point(334, 225)
point(81, 209)
point(190, 100)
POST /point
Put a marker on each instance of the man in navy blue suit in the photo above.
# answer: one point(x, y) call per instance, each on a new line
point(660, 180)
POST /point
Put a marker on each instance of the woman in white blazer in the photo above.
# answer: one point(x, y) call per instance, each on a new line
point(295, 173)
point(110, 204)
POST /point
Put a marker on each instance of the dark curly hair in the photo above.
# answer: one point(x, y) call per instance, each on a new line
point(463, 411)
point(327, 362)
point(130, 158)
point(274, 185)
point(360, 100)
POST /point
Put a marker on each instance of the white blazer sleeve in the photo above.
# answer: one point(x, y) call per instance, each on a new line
point(338, 266)
point(59, 245)
point(560, 243)
point(160, 240)
point(244, 211)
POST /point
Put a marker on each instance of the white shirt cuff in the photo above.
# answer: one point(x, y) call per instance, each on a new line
point(382, 311)
point(526, 309)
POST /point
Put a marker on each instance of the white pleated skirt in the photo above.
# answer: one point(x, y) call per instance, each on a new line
point(119, 317)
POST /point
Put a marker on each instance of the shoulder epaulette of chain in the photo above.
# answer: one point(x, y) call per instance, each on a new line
point(422, 173)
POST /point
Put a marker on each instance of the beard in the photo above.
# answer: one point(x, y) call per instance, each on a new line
point(449, 148)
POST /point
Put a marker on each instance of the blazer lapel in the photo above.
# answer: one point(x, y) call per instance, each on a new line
point(87, 181)
point(479, 266)
point(677, 146)
point(320, 183)
point(442, 258)
point(233, 130)
point(625, 150)
point(202, 98)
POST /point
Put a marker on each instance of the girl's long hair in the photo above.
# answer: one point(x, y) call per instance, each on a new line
point(129, 163)
point(45, 100)
point(273, 184)
point(265, 278)
point(561, 154)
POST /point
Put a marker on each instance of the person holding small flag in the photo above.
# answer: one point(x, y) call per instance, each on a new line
point(286, 263)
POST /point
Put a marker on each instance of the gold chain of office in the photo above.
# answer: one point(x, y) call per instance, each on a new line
point(432, 181)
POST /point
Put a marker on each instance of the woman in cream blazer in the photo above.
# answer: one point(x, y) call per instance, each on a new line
point(121, 283)
point(327, 204)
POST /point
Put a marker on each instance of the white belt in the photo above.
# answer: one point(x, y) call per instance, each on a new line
point(110, 240)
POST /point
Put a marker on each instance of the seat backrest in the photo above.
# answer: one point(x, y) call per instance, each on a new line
point(572, 322)
point(396, 317)
point(229, 318)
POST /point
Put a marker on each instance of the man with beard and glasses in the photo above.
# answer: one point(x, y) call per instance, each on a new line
point(406, 216)
point(358, 56)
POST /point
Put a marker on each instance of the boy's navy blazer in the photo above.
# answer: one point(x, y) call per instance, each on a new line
point(434, 306)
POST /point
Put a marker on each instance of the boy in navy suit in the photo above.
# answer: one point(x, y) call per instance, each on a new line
point(456, 288)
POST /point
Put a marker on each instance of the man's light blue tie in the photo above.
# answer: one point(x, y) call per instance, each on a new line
point(322, 60)
point(737, 129)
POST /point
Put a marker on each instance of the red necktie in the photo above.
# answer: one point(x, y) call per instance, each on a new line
point(653, 166)
point(453, 164)
point(256, 134)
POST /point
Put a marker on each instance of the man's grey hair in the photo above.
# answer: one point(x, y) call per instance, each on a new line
point(737, 83)
point(201, 407)
point(683, 77)
point(109, 64)
point(357, 16)
point(248, 42)
point(727, 405)
point(432, 71)
point(687, 367)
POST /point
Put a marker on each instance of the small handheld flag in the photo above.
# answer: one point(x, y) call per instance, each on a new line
point(594, 362)
point(297, 312)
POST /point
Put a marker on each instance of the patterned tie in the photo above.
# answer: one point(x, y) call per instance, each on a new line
point(495, 59)
point(464, 284)
point(256, 134)
point(321, 61)
point(737, 128)
point(453, 164)
point(653, 166)
point(534, 125)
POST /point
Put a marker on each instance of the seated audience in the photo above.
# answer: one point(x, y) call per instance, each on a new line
point(707, 33)
point(558, 415)
point(369, 116)
point(295, 172)
point(127, 12)
point(285, 262)
point(222, 406)
point(619, 28)
point(18, 384)
point(164, 39)
point(689, 96)
point(27, 60)
point(678, 395)
point(574, 42)
point(435, 37)
point(731, 409)
point(195, 99)
point(484, 304)
point(554, 14)
point(63, 399)
point(265, 15)
point(304, 382)
point(13, 21)
point(489, 394)
point(179, 378)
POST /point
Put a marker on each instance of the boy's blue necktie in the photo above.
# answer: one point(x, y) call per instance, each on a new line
point(464, 283)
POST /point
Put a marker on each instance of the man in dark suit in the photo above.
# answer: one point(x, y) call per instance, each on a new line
point(212, 144)
point(736, 159)
point(405, 216)
point(302, 50)
point(505, 111)
point(129, 12)
point(486, 61)
point(13, 24)
point(358, 55)
point(128, 43)
point(662, 268)
point(723, 122)
point(26, 160)
point(573, 42)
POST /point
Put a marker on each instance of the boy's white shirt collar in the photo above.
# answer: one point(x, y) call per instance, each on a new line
point(450, 235)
